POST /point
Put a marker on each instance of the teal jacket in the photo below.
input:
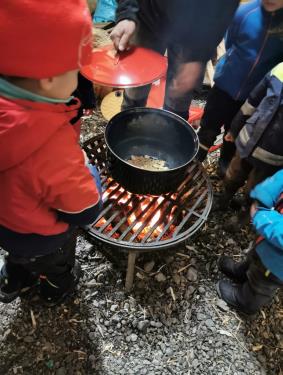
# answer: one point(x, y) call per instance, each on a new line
point(268, 222)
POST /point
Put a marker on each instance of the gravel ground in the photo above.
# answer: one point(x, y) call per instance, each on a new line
point(172, 322)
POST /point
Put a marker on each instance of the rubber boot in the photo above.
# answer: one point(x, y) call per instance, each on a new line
point(226, 154)
point(236, 271)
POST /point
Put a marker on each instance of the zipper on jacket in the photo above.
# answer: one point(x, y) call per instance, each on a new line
point(257, 58)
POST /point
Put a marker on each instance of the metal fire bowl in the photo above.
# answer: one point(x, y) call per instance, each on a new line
point(195, 208)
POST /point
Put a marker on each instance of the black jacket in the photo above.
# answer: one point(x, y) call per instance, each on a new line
point(197, 25)
point(258, 127)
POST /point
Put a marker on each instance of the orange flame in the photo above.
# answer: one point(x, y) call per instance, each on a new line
point(141, 214)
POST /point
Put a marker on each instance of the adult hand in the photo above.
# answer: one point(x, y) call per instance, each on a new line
point(186, 79)
point(229, 137)
point(122, 33)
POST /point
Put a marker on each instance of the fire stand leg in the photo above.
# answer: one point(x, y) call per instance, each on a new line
point(130, 270)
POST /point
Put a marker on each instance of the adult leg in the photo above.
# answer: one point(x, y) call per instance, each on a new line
point(180, 104)
point(137, 96)
point(219, 111)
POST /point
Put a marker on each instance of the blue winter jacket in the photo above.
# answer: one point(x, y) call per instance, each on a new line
point(268, 222)
point(254, 45)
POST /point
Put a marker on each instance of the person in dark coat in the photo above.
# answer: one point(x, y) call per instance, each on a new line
point(190, 32)
point(254, 45)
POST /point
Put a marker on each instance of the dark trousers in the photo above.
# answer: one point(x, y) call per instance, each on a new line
point(137, 97)
point(53, 270)
point(219, 111)
point(261, 284)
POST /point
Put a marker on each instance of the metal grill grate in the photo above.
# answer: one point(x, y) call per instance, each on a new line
point(147, 222)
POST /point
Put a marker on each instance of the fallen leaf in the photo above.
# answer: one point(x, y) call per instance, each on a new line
point(257, 348)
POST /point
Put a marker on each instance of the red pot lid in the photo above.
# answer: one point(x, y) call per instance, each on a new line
point(136, 67)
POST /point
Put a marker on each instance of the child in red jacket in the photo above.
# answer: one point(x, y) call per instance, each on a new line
point(46, 188)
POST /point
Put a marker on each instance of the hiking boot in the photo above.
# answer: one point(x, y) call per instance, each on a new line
point(52, 294)
point(234, 270)
point(240, 296)
point(13, 287)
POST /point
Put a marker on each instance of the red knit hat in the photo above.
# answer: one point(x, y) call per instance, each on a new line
point(41, 39)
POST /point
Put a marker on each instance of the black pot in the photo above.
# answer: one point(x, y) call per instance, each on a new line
point(154, 132)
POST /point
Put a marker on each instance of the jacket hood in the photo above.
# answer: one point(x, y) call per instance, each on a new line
point(26, 126)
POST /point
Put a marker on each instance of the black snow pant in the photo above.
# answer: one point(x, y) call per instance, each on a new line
point(53, 270)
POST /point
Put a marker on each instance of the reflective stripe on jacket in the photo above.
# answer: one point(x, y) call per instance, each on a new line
point(258, 126)
point(268, 222)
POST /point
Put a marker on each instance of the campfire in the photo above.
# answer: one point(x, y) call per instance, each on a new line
point(140, 223)
point(146, 222)
point(141, 217)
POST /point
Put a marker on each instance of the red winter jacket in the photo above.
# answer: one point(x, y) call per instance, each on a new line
point(42, 168)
